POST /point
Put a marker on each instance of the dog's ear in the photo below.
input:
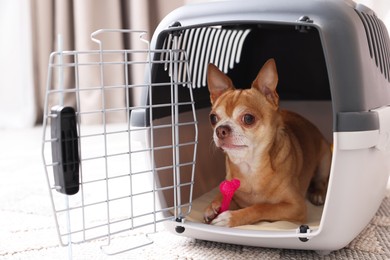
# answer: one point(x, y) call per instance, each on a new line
point(217, 82)
point(266, 82)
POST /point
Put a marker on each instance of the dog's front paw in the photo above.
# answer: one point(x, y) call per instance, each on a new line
point(316, 194)
point(211, 212)
point(317, 199)
point(223, 219)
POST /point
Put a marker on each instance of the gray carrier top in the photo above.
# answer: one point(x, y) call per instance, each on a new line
point(325, 50)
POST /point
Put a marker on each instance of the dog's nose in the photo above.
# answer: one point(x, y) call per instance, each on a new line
point(223, 131)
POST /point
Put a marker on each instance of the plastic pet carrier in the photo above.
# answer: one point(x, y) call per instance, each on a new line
point(334, 68)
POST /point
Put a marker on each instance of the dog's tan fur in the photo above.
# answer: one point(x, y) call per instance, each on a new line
point(278, 156)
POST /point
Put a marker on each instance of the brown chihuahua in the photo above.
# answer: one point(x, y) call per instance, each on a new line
point(277, 155)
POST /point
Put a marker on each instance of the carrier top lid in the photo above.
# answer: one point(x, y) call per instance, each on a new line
point(354, 41)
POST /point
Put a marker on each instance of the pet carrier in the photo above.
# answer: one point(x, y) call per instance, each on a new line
point(333, 65)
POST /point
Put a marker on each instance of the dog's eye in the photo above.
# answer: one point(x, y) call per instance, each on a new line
point(213, 119)
point(248, 119)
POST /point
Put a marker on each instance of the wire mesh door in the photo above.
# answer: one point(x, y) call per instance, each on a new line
point(112, 178)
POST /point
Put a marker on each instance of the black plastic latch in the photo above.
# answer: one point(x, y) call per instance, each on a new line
point(65, 151)
point(303, 27)
point(179, 229)
point(304, 229)
point(176, 24)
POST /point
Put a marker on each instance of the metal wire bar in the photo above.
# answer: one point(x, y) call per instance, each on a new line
point(92, 210)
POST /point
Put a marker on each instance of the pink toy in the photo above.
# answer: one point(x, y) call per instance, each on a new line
point(227, 189)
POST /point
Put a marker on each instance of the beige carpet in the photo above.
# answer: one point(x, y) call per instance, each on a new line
point(27, 229)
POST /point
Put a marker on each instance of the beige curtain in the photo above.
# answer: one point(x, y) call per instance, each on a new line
point(75, 21)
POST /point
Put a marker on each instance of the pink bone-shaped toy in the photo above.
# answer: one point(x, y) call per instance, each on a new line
point(227, 189)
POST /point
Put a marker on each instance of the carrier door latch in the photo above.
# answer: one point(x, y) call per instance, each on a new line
point(302, 27)
point(176, 25)
point(384, 129)
point(303, 229)
point(179, 229)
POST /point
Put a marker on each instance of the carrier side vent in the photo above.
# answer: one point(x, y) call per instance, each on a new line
point(205, 45)
point(378, 41)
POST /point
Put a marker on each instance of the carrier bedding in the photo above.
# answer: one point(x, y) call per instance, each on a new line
point(199, 204)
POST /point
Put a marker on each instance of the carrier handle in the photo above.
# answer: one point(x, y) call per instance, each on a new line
point(65, 151)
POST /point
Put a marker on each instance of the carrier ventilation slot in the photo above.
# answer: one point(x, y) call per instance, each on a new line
point(378, 42)
point(205, 45)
